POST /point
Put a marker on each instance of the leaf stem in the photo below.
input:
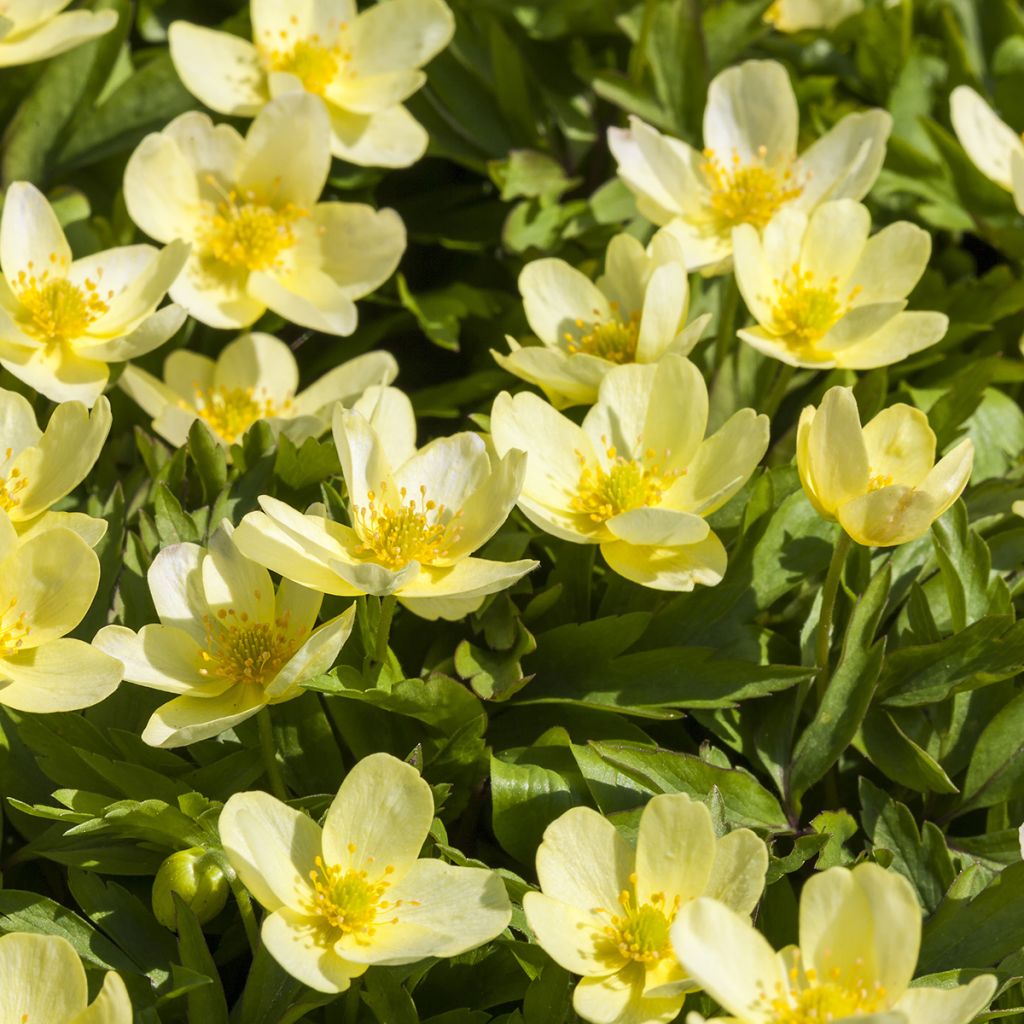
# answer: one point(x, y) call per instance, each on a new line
point(269, 751)
point(352, 1001)
point(828, 607)
point(638, 58)
point(728, 307)
point(777, 392)
point(245, 909)
point(387, 613)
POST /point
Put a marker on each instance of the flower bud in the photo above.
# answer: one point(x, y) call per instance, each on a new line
point(197, 877)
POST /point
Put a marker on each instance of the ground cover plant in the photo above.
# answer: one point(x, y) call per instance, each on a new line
point(511, 511)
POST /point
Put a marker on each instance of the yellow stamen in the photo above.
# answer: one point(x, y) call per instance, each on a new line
point(230, 412)
point(244, 651)
point(747, 193)
point(313, 63)
point(804, 312)
point(810, 999)
point(245, 231)
point(626, 484)
point(13, 630)
point(614, 339)
point(641, 931)
point(12, 484)
point(410, 530)
point(55, 310)
point(876, 481)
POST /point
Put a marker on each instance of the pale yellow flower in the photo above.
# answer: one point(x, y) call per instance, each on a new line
point(361, 64)
point(417, 515)
point(797, 15)
point(62, 320)
point(638, 477)
point(860, 933)
point(994, 147)
point(254, 378)
point(605, 910)
point(48, 580)
point(634, 313)
point(824, 294)
point(880, 481)
point(226, 644)
point(39, 467)
point(353, 894)
point(260, 238)
point(749, 168)
point(32, 30)
point(42, 980)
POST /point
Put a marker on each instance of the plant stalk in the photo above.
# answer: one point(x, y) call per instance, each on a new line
point(828, 607)
point(269, 751)
point(387, 613)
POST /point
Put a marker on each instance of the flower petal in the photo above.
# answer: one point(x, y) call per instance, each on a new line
point(557, 297)
point(347, 382)
point(988, 140)
point(572, 937)
point(835, 457)
point(619, 999)
point(675, 849)
point(658, 527)
point(957, 1005)
point(891, 263)
point(387, 138)
point(315, 657)
point(176, 585)
point(62, 33)
point(162, 657)
point(111, 1006)
point(41, 978)
point(223, 71)
point(62, 675)
point(902, 336)
point(844, 163)
point(306, 951)
point(668, 568)
point(738, 873)
point(189, 719)
point(31, 240)
point(399, 34)
point(947, 480)
point(900, 445)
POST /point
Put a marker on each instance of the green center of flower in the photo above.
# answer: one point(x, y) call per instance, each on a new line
point(244, 651)
point(13, 631)
point(613, 339)
point(804, 311)
point(314, 64)
point(626, 484)
point(641, 931)
point(821, 1002)
point(12, 484)
point(747, 193)
point(230, 412)
point(54, 309)
point(410, 530)
point(349, 901)
point(248, 234)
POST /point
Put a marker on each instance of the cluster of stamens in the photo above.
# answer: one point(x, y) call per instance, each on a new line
point(13, 630)
point(747, 193)
point(244, 231)
point(413, 529)
point(349, 901)
point(804, 311)
point(54, 309)
point(626, 484)
point(230, 412)
point(614, 339)
point(244, 651)
point(811, 999)
point(641, 931)
point(876, 481)
point(12, 484)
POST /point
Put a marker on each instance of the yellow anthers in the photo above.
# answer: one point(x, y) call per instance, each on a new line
point(814, 1000)
point(804, 311)
point(230, 412)
point(348, 901)
point(876, 481)
point(614, 339)
point(13, 630)
point(245, 651)
point(411, 530)
point(627, 484)
point(12, 484)
point(309, 60)
point(641, 931)
point(249, 234)
point(54, 309)
point(747, 193)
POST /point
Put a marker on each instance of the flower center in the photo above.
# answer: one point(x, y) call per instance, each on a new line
point(55, 310)
point(314, 64)
point(245, 651)
point(348, 901)
point(819, 1002)
point(230, 412)
point(805, 312)
point(249, 234)
point(627, 484)
point(747, 193)
point(13, 630)
point(412, 530)
point(876, 481)
point(641, 931)
point(12, 484)
point(612, 339)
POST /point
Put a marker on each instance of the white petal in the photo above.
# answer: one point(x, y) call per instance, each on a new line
point(222, 70)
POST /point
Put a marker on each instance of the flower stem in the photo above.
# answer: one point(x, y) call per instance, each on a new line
point(352, 1001)
point(772, 401)
point(728, 307)
point(638, 58)
point(387, 613)
point(828, 607)
point(245, 910)
point(267, 748)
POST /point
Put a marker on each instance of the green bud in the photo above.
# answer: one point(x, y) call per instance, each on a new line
point(197, 878)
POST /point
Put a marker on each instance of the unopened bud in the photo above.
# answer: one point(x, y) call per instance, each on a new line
point(197, 878)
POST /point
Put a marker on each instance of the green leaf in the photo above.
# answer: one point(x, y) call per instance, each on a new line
point(899, 757)
point(389, 1000)
point(207, 1004)
point(996, 771)
point(210, 460)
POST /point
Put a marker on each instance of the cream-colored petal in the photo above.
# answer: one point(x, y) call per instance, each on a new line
point(89, 528)
point(627, 268)
point(314, 658)
point(487, 508)
point(891, 263)
point(755, 277)
point(675, 849)
point(216, 294)
point(708, 247)
point(272, 846)
point(223, 71)
point(387, 138)
point(677, 413)
point(619, 999)
point(185, 373)
point(659, 527)
point(379, 819)
point(988, 140)
point(669, 568)
point(399, 34)
point(556, 297)
point(235, 585)
point(837, 459)
point(280, 23)
point(372, 94)
point(189, 719)
point(471, 577)
point(260, 362)
point(18, 429)
point(565, 379)
point(111, 1006)
point(572, 937)
point(738, 872)
point(947, 480)
point(62, 33)
point(619, 419)
point(451, 609)
point(161, 189)
point(751, 111)
point(58, 373)
point(150, 333)
point(837, 232)
point(175, 580)
point(311, 299)
point(31, 240)
point(305, 949)
point(364, 461)
point(162, 657)
point(728, 958)
point(664, 311)
point(389, 411)
point(892, 515)
point(844, 163)
point(449, 469)
point(957, 1005)
point(300, 605)
point(347, 381)
point(41, 978)
point(1017, 178)
point(902, 336)
point(583, 861)
point(62, 675)
point(900, 445)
